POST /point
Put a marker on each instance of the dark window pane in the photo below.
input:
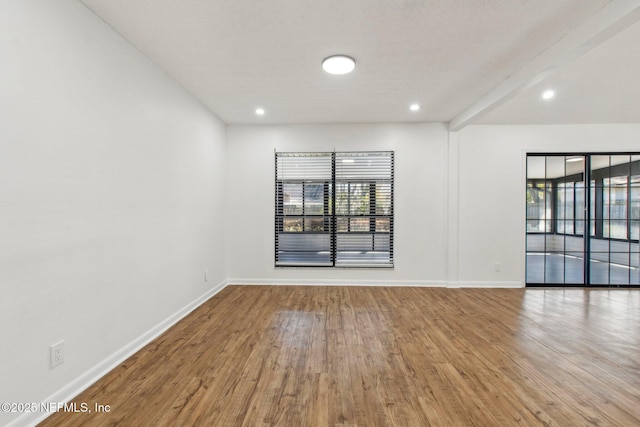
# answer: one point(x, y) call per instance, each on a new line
point(359, 199)
point(313, 199)
point(580, 213)
point(292, 199)
point(360, 224)
point(538, 207)
point(382, 225)
point(292, 225)
point(342, 199)
point(634, 207)
point(314, 224)
point(383, 199)
point(615, 207)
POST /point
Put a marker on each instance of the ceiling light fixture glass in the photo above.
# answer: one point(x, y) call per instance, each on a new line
point(414, 107)
point(548, 94)
point(260, 111)
point(338, 64)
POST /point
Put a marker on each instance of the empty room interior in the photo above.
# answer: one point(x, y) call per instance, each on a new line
point(319, 213)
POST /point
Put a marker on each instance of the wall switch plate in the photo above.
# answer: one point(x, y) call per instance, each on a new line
point(57, 353)
point(206, 273)
point(498, 267)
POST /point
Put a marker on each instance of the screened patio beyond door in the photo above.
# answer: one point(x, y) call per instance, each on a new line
point(583, 219)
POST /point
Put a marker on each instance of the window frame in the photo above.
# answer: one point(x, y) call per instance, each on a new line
point(332, 216)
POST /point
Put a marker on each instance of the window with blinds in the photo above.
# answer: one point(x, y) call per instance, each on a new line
point(334, 209)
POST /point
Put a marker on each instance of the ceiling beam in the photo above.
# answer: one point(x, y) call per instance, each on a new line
point(604, 24)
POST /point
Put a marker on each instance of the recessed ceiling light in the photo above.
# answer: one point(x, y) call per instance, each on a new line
point(338, 64)
point(414, 107)
point(260, 111)
point(574, 159)
point(548, 94)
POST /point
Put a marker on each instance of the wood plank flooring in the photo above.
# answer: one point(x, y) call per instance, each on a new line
point(383, 356)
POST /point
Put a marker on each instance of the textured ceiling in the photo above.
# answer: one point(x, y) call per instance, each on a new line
point(447, 55)
point(601, 86)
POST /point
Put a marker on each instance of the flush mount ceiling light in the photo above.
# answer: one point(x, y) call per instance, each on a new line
point(260, 111)
point(338, 64)
point(574, 159)
point(548, 94)
point(414, 107)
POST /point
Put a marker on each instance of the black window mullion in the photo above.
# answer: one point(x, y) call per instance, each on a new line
point(349, 207)
point(629, 223)
point(279, 210)
point(391, 207)
point(304, 205)
point(334, 226)
point(575, 208)
point(372, 206)
point(372, 213)
point(629, 205)
point(554, 207)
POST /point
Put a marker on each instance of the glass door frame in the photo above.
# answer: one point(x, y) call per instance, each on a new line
point(551, 186)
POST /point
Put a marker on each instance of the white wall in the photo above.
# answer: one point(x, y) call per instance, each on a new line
point(491, 186)
point(421, 155)
point(111, 187)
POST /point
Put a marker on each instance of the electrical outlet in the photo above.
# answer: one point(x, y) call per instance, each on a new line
point(57, 353)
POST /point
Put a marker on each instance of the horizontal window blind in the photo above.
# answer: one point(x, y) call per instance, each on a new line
point(364, 209)
point(304, 221)
point(334, 209)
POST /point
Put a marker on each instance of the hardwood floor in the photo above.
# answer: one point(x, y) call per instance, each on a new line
point(375, 356)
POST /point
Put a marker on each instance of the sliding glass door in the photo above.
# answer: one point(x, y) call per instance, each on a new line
point(556, 220)
point(583, 219)
point(614, 252)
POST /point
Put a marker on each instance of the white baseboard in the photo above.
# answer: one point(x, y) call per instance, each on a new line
point(485, 284)
point(414, 283)
point(336, 282)
point(75, 387)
